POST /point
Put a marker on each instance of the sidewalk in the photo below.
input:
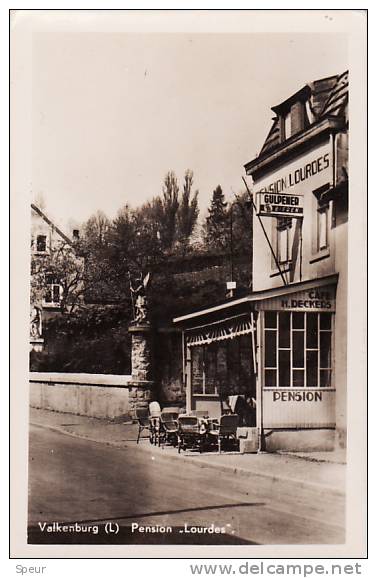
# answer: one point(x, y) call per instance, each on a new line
point(297, 471)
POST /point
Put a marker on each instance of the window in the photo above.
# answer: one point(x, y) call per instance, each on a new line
point(222, 366)
point(284, 239)
point(297, 349)
point(321, 222)
point(309, 112)
point(322, 227)
point(52, 292)
point(41, 243)
point(287, 125)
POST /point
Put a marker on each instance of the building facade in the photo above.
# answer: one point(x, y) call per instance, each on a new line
point(285, 344)
point(47, 245)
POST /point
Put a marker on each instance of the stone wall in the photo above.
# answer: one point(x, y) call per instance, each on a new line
point(140, 394)
point(100, 396)
point(141, 356)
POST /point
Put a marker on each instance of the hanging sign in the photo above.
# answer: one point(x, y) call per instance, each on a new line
point(281, 193)
point(271, 205)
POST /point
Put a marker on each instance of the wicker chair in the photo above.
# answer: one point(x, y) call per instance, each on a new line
point(169, 427)
point(190, 433)
point(225, 430)
point(155, 422)
point(142, 416)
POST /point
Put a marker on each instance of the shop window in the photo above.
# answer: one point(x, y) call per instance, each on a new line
point(222, 368)
point(210, 371)
point(270, 319)
point(197, 369)
point(52, 290)
point(204, 366)
point(284, 240)
point(297, 349)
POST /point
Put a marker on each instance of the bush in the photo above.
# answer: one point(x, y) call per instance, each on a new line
point(94, 340)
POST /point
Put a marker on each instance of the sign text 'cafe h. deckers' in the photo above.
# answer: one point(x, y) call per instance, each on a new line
point(284, 344)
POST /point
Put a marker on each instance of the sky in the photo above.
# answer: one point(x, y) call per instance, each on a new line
point(113, 112)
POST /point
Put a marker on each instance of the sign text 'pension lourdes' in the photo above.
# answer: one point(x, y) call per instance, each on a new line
point(282, 192)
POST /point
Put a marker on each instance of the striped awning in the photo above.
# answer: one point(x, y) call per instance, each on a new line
point(219, 331)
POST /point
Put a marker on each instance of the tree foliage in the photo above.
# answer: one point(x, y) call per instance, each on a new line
point(242, 224)
point(96, 230)
point(188, 211)
point(62, 266)
point(142, 239)
point(217, 223)
point(135, 246)
point(167, 210)
point(90, 340)
point(156, 237)
point(73, 267)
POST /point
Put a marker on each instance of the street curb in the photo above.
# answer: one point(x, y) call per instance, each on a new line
point(78, 436)
point(272, 478)
point(313, 460)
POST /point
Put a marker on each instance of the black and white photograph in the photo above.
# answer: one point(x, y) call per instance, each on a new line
point(187, 316)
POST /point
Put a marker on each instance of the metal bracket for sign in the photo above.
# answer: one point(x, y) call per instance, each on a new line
point(265, 233)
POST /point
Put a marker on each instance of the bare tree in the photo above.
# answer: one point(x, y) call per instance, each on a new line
point(188, 210)
point(97, 228)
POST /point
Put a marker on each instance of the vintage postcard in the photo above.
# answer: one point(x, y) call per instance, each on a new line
point(188, 244)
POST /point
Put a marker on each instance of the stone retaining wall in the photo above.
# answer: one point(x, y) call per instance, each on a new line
point(101, 396)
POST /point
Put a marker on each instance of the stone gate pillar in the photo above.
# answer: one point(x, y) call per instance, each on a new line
point(142, 382)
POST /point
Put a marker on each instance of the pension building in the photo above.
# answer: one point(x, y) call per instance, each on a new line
point(285, 344)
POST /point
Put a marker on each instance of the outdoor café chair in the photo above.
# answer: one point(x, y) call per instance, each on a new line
point(226, 429)
point(169, 427)
point(155, 422)
point(142, 416)
point(191, 433)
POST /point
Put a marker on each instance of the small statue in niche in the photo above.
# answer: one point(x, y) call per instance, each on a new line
point(139, 298)
point(35, 323)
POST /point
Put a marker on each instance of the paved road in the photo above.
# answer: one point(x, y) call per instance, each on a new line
point(74, 480)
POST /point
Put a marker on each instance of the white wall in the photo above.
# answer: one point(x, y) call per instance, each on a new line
point(101, 396)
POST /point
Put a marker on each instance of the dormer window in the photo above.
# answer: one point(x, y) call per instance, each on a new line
point(287, 120)
point(309, 112)
point(294, 117)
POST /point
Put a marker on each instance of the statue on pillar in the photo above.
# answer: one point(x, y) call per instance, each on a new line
point(142, 382)
point(35, 323)
point(139, 298)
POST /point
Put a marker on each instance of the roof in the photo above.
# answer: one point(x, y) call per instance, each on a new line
point(338, 97)
point(50, 223)
point(326, 97)
point(261, 295)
